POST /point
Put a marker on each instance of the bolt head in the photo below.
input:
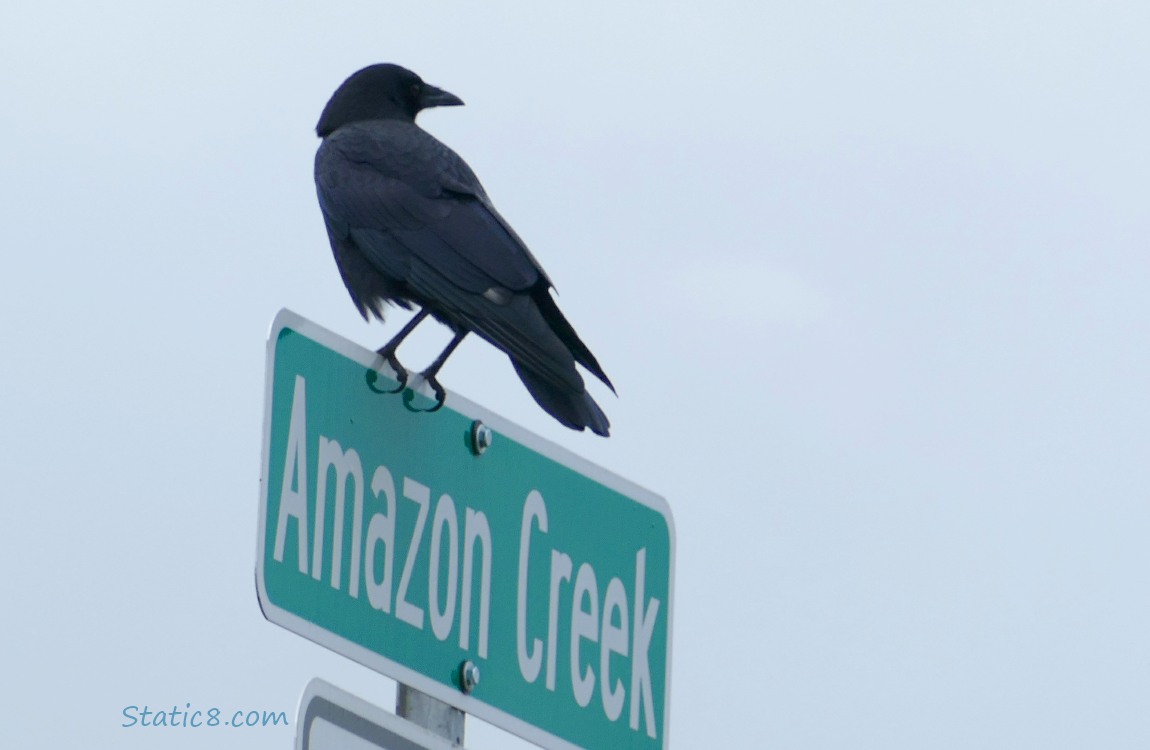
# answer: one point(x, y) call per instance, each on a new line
point(481, 437)
point(469, 676)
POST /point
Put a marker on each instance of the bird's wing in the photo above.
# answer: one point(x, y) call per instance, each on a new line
point(417, 213)
point(393, 181)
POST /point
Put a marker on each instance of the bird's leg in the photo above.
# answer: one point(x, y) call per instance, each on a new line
point(433, 370)
point(387, 351)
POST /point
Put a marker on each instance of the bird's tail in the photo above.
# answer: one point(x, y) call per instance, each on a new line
point(566, 333)
point(574, 409)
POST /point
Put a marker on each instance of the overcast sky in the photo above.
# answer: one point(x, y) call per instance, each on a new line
point(871, 280)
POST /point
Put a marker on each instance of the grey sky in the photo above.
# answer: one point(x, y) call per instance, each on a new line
point(871, 279)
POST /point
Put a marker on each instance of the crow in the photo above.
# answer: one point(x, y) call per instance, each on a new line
point(410, 225)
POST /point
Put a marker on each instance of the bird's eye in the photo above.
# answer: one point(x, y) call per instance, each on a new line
point(415, 89)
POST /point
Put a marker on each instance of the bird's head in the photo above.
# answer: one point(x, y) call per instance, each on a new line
point(381, 92)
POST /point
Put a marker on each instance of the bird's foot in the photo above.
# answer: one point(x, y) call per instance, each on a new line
point(436, 388)
point(399, 370)
point(441, 395)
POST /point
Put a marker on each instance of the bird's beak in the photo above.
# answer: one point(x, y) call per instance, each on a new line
point(437, 97)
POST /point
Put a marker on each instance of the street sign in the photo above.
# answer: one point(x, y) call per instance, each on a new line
point(494, 571)
point(332, 719)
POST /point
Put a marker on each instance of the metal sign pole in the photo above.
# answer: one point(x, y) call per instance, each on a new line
point(429, 713)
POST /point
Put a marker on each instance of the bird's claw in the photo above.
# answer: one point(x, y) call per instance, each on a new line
point(438, 390)
point(399, 370)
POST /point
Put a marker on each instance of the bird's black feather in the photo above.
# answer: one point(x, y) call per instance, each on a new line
point(409, 223)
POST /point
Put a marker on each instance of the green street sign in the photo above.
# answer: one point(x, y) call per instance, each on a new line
point(494, 571)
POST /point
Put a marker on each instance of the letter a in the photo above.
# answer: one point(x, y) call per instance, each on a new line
point(294, 502)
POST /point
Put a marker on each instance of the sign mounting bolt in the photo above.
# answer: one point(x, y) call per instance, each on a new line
point(468, 676)
point(481, 437)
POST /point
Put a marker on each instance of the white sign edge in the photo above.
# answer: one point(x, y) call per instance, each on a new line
point(286, 318)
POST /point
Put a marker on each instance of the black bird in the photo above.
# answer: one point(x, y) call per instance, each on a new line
point(410, 224)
